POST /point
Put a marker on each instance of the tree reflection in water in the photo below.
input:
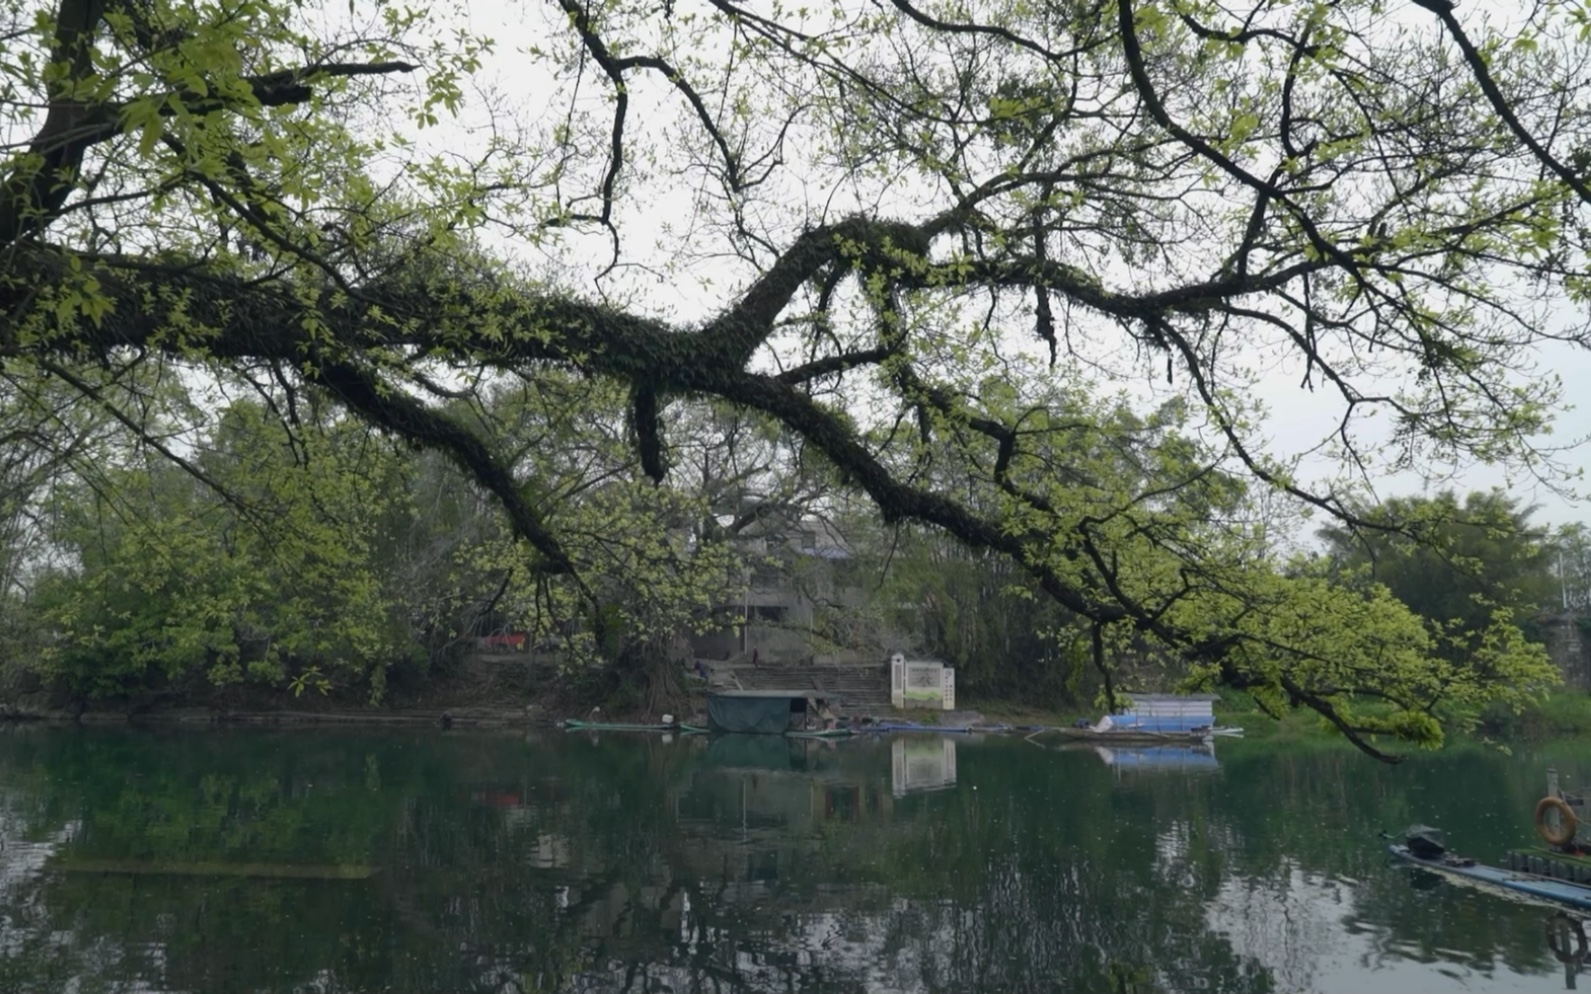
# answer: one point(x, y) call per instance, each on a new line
point(585, 864)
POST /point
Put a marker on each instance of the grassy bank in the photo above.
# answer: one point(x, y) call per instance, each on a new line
point(1292, 728)
point(1565, 714)
point(1234, 709)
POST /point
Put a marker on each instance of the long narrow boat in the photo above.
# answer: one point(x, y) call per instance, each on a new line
point(1130, 736)
point(572, 724)
point(1530, 884)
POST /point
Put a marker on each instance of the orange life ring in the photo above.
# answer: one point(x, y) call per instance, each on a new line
point(1568, 824)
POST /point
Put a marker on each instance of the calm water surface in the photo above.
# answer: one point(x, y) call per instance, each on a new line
point(314, 861)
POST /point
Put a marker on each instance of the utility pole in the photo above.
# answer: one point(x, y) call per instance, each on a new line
point(1563, 585)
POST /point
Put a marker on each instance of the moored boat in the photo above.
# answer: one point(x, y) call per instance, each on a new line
point(821, 733)
point(572, 724)
point(1532, 885)
point(1558, 871)
point(1132, 736)
point(1151, 718)
point(915, 726)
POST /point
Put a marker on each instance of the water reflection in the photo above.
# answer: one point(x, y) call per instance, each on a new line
point(920, 763)
point(205, 862)
point(778, 789)
point(1566, 940)
point(1168, 758)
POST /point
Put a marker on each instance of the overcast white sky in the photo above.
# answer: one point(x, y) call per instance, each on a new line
point(1298, 417)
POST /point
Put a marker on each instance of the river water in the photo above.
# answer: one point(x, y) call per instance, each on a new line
point(316, 861)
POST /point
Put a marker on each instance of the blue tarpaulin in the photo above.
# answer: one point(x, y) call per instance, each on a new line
point(1167, 713)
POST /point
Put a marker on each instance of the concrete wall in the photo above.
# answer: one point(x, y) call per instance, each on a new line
point(1566, 645)
point(779, 615)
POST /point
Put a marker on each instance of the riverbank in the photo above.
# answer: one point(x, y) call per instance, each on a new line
point(486, 690)
point(502, 691)
point(1565, 714)
point(407, 718)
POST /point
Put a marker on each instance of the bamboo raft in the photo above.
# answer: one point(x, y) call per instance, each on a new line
point(1544, 861)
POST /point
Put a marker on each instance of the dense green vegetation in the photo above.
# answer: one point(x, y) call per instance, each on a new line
point(1460, 565)
point(916, 266)
point(319, 555)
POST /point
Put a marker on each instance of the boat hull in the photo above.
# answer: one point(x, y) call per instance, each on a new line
point(619, 726)
point(1130, 736)
point(1541, 888)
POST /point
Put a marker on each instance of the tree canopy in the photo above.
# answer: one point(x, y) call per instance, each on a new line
point(1456, 564)
point(926, 240)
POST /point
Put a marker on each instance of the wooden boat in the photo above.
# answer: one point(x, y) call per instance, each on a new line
point(821, 733)
point(1171, 714)
point(1559, 871)
point(1155, 718)
point(572, 724)
point(913, 726)
point(1131, 736)
point(1542, 888)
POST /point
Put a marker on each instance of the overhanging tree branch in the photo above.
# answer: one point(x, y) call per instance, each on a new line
point(44, 178)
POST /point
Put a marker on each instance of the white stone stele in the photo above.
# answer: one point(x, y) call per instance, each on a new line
point(921, 683)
